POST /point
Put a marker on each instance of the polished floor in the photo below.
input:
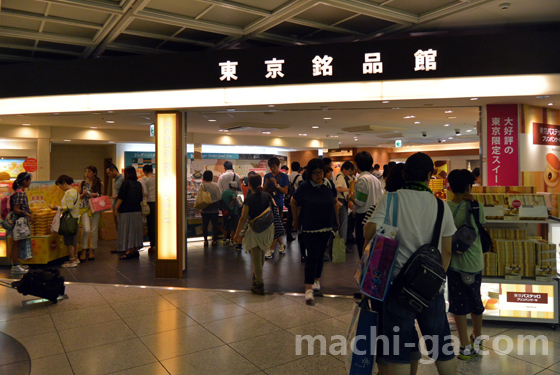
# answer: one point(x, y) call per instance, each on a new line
point(132, 330)
point(214, 267)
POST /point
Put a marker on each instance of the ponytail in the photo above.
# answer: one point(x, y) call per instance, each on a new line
point(15, 185)
point(258, 190)
point(23, 176)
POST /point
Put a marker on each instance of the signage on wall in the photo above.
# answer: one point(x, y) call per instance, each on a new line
point(503, 144)
point(546, 134)
point(30, 165)
point(139, 159)
point(398, 143)
point(152, 130)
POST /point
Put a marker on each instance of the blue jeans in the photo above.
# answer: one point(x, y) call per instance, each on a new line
point(403, 344)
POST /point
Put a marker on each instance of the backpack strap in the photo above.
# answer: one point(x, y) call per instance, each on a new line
point(476, 212)
point(437, 228)
point(390, 198)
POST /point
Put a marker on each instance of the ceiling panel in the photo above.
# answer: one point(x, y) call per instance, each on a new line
point(76, 13)
point(138, 41)
point(52, 56)
point(325, 14)
point(153, 27)
point(229, 17)
point(15, 52)
point(181, 47)
point(323, 36)
point(419, 7)
point(17, 41)
point(189, 8)
point(291, 30)
point(61, 47)
point(269, 5)
point(365, 24)
point(69, 30)
point(25, 6)
point(19, 23)
point(200, 35)
point(110, 52)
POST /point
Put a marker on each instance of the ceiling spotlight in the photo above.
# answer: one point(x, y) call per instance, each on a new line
point(385, 102)
point(327, 118)
point(110, 122)
point(93, 127)
point(448, 111)
point(266, 132)
point(66, 140)
point(470, 130)
point(452, 117)
point(355, 139)
point(445, 124)
point(416, 122)
point(271, 105)
point(314, 127)
point(550, 103)
point(450, 137)
point(212, 120)
point(26, 124)
point(474, 98)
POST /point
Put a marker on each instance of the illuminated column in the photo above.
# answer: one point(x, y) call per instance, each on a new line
point(170, 192)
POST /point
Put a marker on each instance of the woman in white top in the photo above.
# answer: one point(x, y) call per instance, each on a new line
point(149, 186)
point(70, 202)
point(91, 187)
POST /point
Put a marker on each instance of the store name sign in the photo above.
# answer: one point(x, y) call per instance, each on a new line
point(515, 297)
point(546, 134)
point(503, 145)
point(166, 142)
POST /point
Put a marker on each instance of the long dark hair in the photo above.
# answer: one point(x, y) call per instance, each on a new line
point(23, 176)
point(96, 185)
point(395, 179)
point(255, 182)
point(130, 173)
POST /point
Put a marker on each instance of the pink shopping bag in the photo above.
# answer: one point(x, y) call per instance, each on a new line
point(99, 204)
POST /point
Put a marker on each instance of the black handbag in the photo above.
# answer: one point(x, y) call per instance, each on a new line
point(68, 224)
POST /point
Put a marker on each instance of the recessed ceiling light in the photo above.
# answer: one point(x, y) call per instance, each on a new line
point(110, 122)
point(225, 130)
point(458, 134)
point(271, 105)
point(543, 96)
point(221, 130)
point(302, 134)
point(26, 124)
point(109, 111)
point(444, 140)
point(315, 127)
point(452, 117)
point(445, 124)
point(450, 137)
point(550, 103)
point(355, 139)
point(409, 117)
point(448, 111)
point(385, 102)
point(66, 140)
point(93, 127)
point(327, 118)
point(212, 120)
point(339, 142)
point(470, 130)
point(396, 108)
point(266, 132)
point(474, 98)
point(416, 122)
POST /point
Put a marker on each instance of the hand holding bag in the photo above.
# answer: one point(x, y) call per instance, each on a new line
point(68, 224)
point(55, 225)
point(203, 198)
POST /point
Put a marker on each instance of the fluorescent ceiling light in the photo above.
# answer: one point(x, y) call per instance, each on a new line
point(448, 111)
point(445, 124)
point(93, 127)
point(385, 102)
point(550, 103)
point(110, 122)
point(66, 140)
point(474, 98)
point(452, 117)
point(327, 118)
point(470, 130)
point(315, 127)
point(26, 124)
point(212, 120)
point(416, 122)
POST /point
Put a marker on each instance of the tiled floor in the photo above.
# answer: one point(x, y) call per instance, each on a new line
point(215, 267)
point(135, 330)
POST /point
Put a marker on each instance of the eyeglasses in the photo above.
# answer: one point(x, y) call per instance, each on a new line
point(318, 173)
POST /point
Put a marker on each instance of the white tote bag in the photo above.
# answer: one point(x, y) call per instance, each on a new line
point(56, 222)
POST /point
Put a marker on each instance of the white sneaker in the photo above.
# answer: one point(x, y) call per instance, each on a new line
point(77, 260)
point(231, 243)
point(316, 286)
point(269, 254)
point(19, 269)
point(24, 266)
point(309, 299)
point(282, 249)
point(70, 264)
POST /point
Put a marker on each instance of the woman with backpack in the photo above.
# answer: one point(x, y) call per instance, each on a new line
point(20, 207)
point(257, 209)
point(319, 217)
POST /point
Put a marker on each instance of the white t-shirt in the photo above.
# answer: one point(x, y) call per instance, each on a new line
point(225, 179)
point(416, 219)
point(367, 192)
point(149, 187)
point(340, 182)
point(292, 176)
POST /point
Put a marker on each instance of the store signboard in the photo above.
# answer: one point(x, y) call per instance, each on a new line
point(503, 144)
point(152, 130)
point(30, 165)
point(139, 159)
point(12, 166)
point(546, 134)
point(220, 156)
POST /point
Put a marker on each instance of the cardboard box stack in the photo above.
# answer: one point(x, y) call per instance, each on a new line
point(490, 264)
point(108, 231)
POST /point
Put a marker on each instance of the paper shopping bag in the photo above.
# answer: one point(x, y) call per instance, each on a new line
point(100, 204)
point(360, 353)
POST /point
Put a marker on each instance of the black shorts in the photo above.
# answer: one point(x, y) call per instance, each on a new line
point(464, 299)
point(230, 222)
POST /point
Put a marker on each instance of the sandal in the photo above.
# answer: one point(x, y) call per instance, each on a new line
point(83, 254)
point(135, 254)
point(91, 255)
point(214, 243)
point(205, 243)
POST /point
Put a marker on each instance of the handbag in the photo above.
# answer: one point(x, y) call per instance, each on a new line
point(361, 339)
point(145, 207)
point(99, 204)
point(68, 224)
point(263, 221)
point(9, 222)
point(203, 198)
point(21, 229)
point(339, 249)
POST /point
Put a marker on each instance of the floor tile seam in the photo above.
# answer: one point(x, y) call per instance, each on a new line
point(116, 372)
point(97, 346)
point(63, 348)
point(247, 359)
point(88, 325)
point(26, 336)
point(549, 368)
point(286, 328)
point(254, 337)
point(189, 353)
point(19, 318)
point(217, 320)
point(154, 312)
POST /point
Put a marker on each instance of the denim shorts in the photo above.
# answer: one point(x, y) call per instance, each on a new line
point(464, 299)
point(402, 345)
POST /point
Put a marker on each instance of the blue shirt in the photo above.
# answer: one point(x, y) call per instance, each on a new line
point(283, 181)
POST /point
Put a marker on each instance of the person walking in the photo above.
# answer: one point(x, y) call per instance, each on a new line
point(294, 178)
point(319, 217)
point(70, 203)
point(464, 274)
point(129, 210)
point(417, 213)
point(113, 172)
point(229, 197)
point(149, 186)
point(276, 184)
point(228, 176)
point(343, 188)
point(91, 187)
point(367, 191)
point(20, 206)
point(212, 212)
point(254, 207)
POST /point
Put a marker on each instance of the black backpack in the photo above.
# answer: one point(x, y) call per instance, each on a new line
point(291, 190)
point(46, 283)
point(466, 234)
point(485, 239)
point(422, 276)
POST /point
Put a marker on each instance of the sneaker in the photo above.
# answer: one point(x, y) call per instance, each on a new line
point(24, 266)
point(269, 254)
point(231, 243)
point(309, 299)
point(238, 247)
point(466, 352)
point(77, 260)
point(226, 241)
point(19, 269)
point(70, 264)
point(316, 286)
point(282, 249)
point(258, 289)
point(477, 346)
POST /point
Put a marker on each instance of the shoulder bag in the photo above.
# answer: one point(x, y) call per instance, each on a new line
point(203, 198)
point(263, 221)
point(68, 224)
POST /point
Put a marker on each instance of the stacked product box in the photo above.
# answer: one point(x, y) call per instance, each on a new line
point(490, 264)
point(109, 231)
